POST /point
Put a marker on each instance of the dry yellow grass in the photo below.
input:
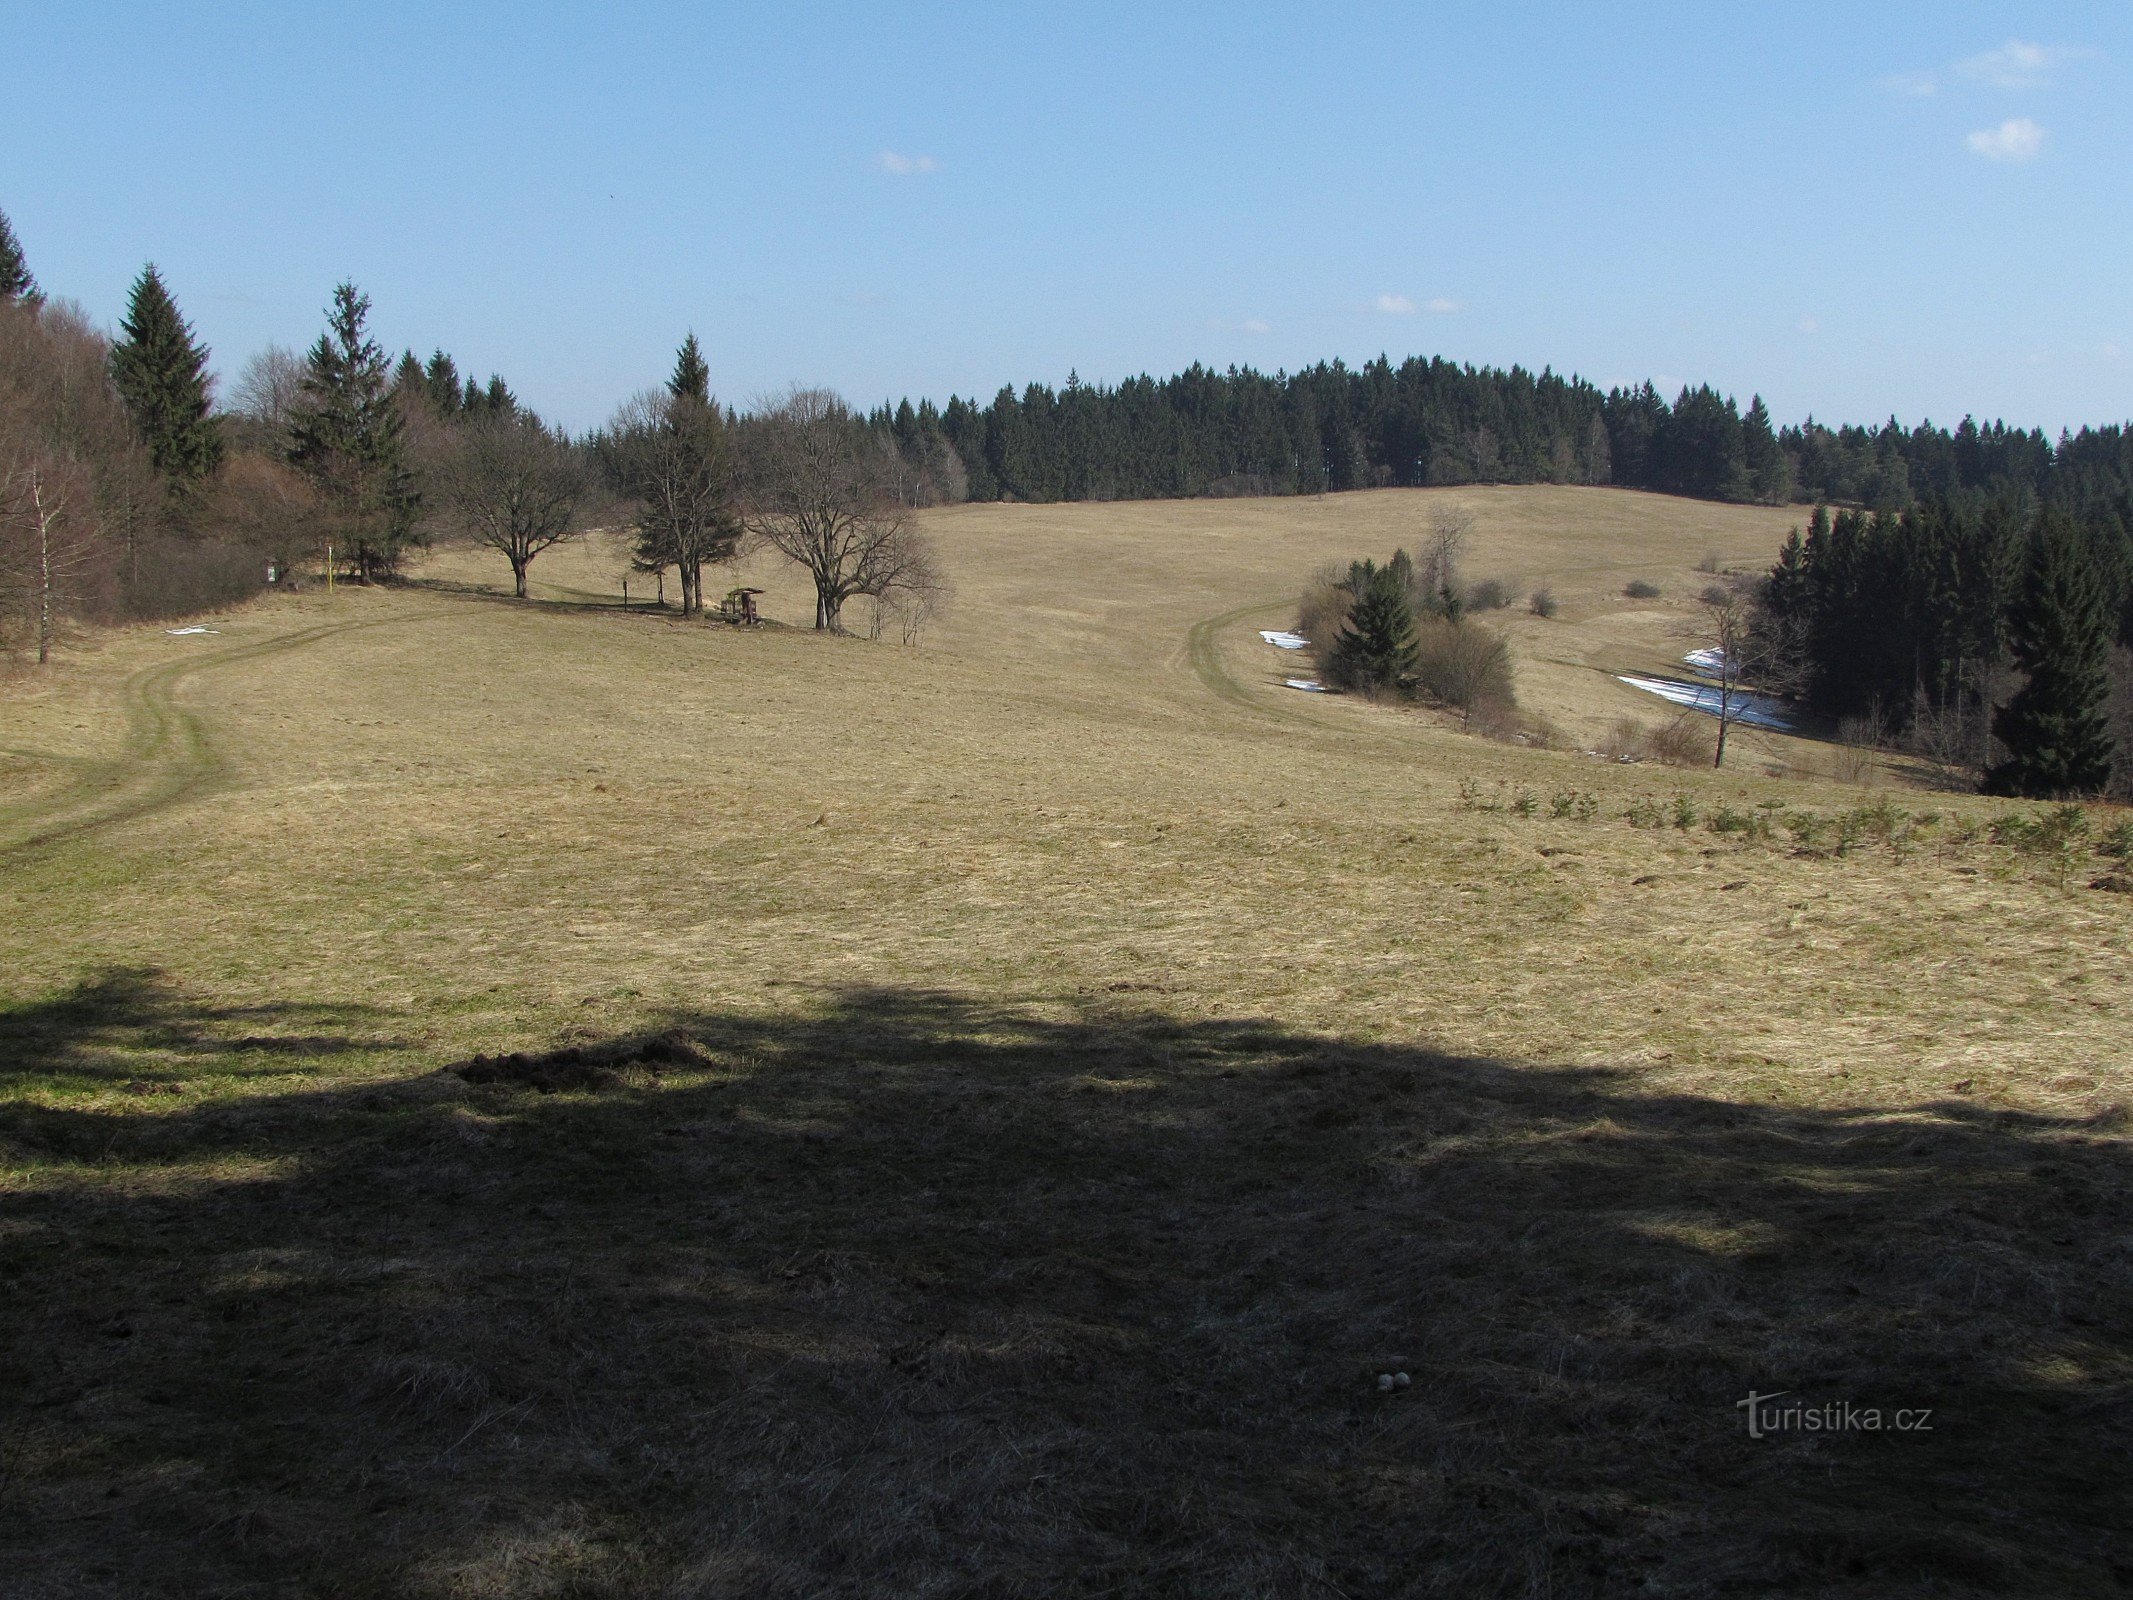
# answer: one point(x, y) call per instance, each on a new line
point(1092, 1063)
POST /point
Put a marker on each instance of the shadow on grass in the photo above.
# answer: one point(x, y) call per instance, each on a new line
point(128, 1026)
point(558, 597)
point(903, 1293)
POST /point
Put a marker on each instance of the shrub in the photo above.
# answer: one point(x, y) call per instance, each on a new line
point(1625, 741)
point(1490, 594)
point(183, 577)
point(1463, 666)
point(1642, 589)
point(1712, 562)
point(1542, 603)
point(1681, 743)
point(1645, 812)
point(1323, 611)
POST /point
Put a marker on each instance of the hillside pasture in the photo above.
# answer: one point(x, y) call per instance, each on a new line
point(505, 1099)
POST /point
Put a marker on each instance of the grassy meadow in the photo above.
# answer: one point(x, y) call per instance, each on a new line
point(538, 1099)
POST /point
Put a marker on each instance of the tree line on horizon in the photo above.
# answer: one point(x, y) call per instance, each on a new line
point(1430, 422)
point(1973, 598)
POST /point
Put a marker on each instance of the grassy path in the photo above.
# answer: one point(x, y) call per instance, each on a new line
point(1203, 648)
point(167, 755)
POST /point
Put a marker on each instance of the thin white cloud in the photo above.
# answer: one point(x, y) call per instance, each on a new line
point(1443, 306)
point(1396, 305)
point(902, 166)
point(2015, 140)
point(1808, 325)
point(2019, 64)
point(1257, 325)
point(1912, 85)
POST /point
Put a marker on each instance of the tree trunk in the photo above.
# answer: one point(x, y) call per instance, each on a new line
point(44, 572)
point(518, 576)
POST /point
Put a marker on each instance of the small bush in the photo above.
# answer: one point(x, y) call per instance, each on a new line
point(1726, 819)
point(1625, 741)
point(1681, 743)
point(1712, 562)
point(1575, 805)
point(1323, 612)
point(1642, 589)
point(1809, 830)
point(1645, 812)
point(1463, 666)
point(1490, 594)
point(1541, 603)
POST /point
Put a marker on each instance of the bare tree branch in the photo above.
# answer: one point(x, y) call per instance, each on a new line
point(820, 493)
point(514, 487)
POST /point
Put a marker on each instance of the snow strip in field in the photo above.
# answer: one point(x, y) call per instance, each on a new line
point(196, 628)
point(1308, 685)
point(1281, 640)
point(1755, 710)
point(1712, 660)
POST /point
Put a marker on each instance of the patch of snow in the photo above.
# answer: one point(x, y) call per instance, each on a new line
point(1747, 707)
point(1280, 639)
point(195, 628)
point(1711, 661)
point(1308, 685)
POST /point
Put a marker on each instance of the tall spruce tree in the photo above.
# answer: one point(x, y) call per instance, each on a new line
point(441, 377)
point(160, 371)
point(15, 280)
point(345, 435)
point(2056, 729)
point(668, 452)
point(1769, 473)
point(1375, 649)
point(692, 374)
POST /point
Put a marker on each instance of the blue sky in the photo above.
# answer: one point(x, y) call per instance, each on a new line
point(1856, 209)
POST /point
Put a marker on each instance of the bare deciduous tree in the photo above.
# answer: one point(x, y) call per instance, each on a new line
point(268, 388)
point(1464, 665)
point(50, 542)
point(1742, 644)
point(819, 492)
point(1437, 577)
point(514, 487)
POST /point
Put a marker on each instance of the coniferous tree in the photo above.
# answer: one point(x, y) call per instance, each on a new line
point(1769, 474)
point(345, 435)
point(668, 451)
point(408, 380)
point(15, 280)
point(441, 377)
point(161, 373)
point(692, 374)
point(2056, 729)
point(1376, 648)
